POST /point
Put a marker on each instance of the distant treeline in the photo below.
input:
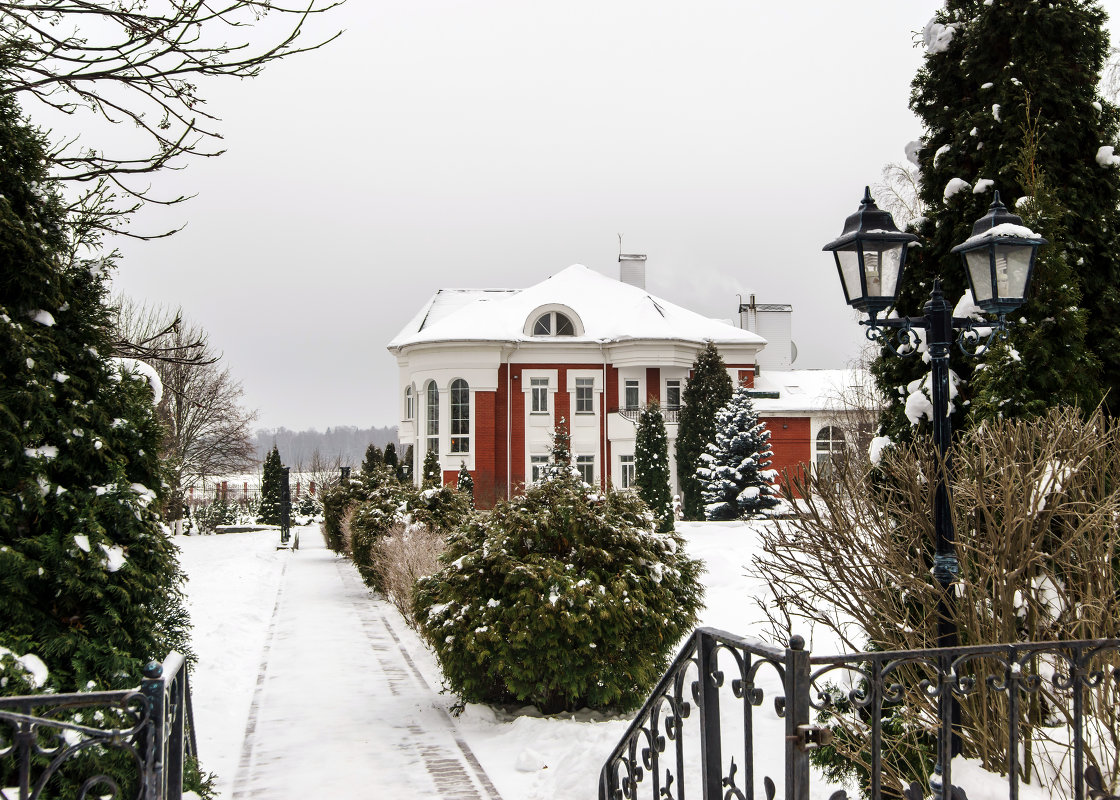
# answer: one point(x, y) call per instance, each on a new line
point(346, 444)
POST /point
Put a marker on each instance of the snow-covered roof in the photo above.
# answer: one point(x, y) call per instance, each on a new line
point(607, 310)
point(811, 389)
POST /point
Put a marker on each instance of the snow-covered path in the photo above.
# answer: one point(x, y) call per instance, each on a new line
point(339, 708)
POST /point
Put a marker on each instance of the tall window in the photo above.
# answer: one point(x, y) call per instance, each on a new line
point(409, 403)
point(460, 416)
point(584, 389)
point(536, 467)
point(631, 394)
point(553, 324)
point(831, 448)
point(627, 464)
point(586, 467)
point(432, 403)
point(539, 387)
point(672, 395)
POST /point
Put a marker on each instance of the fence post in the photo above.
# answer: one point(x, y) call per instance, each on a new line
point(153, 687)
point(180, 691)
point(797, 715)
point(711, 757)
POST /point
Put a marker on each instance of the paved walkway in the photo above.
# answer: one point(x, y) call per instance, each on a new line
point(340, 710)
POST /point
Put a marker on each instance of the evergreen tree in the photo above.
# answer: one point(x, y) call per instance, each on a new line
point(91, 583)
point(1004, 82)
point(707, 391)
point(651, 466)
point(465, 483)
point(560, 453)
point(373, 460)
point(736, 473)
point(391, 460)
point(272, 490)
point(433, 475)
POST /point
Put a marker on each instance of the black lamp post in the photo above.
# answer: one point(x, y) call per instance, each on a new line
point(999, 260)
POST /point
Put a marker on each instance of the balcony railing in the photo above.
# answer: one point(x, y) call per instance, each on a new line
point(670, 413)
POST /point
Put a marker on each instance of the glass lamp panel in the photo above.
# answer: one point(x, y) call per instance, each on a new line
point(890, 269)
point(1012, 264)
point(848, 261)
point(979, 273)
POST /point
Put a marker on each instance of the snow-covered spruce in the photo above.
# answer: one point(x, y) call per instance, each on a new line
point(736, 473)
point(563, 598)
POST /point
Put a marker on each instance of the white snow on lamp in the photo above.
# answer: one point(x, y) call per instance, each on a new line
point(999, 259)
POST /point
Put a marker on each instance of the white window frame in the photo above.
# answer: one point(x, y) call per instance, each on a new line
point(460, 427)
point(626, 471)
point(588, 463)
point(826, 450)
point(635, 385)
point(670, 386)
point(431, 416)
point(539, 389)
point(585, 385)
point(409, 402)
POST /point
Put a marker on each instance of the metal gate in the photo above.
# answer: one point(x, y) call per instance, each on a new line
point(47, 739)
point(733, 716)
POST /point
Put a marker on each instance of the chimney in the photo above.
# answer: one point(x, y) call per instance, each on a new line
point(632, 270)
point(773, 322)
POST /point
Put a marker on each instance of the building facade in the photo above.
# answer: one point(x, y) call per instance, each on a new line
point(487, 375)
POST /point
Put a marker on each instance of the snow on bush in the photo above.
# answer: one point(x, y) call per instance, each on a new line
point(954, 186)
point(938, 36)
point(1106, 158)
point(563, 598)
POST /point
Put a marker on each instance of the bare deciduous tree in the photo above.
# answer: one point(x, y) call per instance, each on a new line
point(1035, 504)
point(141, 64)
point(208, 431)
point(898, 192)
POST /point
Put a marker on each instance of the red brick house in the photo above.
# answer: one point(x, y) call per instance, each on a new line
point(485, 375)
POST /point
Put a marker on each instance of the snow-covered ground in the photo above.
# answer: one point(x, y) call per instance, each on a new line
point(234, 597)
point(306, 686)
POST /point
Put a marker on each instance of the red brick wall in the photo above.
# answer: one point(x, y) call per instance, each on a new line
point(790, 441)
point(563, 399)
point(609, 399)
point(489, 448)
point(653, 385)
point(517, 429)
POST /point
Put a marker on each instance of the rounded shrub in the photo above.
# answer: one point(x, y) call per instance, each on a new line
point(535, 599)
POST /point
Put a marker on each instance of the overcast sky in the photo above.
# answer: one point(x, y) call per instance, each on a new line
point(491, 144)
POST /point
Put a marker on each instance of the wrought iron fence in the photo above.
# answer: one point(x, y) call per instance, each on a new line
point(51, 739)
point(1048, 712)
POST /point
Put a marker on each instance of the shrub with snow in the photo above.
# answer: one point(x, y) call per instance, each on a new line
point(736, 473)
point(384, 506)
point(563, 598)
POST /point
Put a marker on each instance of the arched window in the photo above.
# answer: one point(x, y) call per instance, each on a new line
point(460, 416)
point(831, 448)
point(432, 403)
point(554, 323)
point(409, 404)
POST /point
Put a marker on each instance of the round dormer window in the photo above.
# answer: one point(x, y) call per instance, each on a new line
point(553, 323)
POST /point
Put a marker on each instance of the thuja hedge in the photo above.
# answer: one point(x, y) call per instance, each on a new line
point(357, 513)
point(563, 598)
